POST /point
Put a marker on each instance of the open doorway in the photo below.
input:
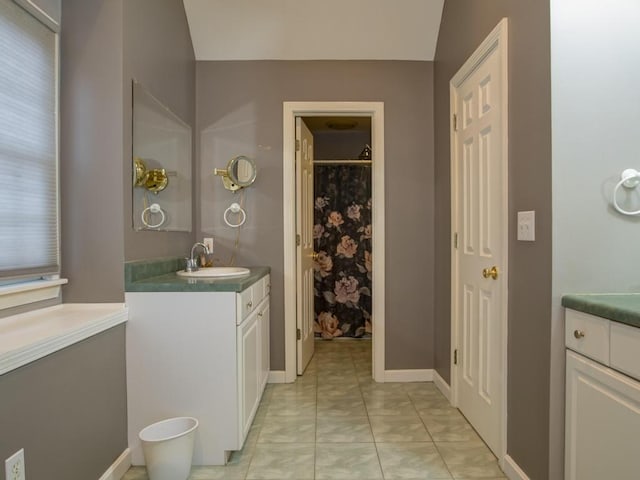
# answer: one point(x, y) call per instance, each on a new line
point(333, 174)
point(342, 234)
point(363, 318)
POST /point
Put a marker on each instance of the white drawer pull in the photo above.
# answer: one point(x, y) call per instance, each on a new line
point(578, 334)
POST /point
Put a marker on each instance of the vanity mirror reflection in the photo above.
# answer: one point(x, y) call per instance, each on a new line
point(240, 173)
point(161, 165)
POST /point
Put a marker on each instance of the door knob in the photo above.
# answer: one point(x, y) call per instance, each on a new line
point(490, 272)
point(314, 256)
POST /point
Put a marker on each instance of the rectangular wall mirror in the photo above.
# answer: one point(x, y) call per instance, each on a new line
point(161, 166)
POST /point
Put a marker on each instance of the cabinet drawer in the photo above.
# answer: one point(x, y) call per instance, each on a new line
point(625, 349)
point(245, 304)
point(588, 335)
point(261, 289)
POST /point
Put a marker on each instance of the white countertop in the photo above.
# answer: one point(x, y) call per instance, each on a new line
point(29, 336)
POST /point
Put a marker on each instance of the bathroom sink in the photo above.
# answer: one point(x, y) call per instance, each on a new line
point(215, 272)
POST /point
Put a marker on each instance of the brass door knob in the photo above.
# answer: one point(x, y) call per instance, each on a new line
point(490, 272)
point(314, 256)
point(578, 334)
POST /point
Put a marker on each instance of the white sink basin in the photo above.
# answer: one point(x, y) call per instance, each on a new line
point(215, 272)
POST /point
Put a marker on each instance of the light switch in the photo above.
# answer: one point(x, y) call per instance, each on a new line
point(527, 226)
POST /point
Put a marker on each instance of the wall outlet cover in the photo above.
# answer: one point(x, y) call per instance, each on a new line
point(527, 226)
point(208, 241)
point(14, 466)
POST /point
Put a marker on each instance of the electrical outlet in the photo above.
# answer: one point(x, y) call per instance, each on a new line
point(209, 243)
point(527, 226)
point(14, 466)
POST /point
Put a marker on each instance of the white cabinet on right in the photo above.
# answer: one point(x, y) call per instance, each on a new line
point(602, 417)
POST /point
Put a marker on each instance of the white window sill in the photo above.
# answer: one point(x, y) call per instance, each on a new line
point(29, 292)
point(29, 336)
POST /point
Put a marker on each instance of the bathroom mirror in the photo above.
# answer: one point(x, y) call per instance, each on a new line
point(240, 173)
point(161, 166)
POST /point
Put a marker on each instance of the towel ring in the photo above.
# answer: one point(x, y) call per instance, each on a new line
point(235, 208)
point(630, 179)
point(153, 208)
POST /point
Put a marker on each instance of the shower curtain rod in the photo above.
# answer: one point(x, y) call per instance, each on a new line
point(342, 162)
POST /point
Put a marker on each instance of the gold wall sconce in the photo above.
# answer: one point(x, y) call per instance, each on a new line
point(155, 180)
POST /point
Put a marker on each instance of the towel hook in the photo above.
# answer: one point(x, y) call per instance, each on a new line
point(235, 208)
point(629, 179)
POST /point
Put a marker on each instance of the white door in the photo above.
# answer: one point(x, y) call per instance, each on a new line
point(479, 259)
point(304, 240)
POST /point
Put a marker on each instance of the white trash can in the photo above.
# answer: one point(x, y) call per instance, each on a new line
point(168, 448)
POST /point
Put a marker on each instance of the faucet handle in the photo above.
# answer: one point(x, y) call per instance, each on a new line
point(191, 265)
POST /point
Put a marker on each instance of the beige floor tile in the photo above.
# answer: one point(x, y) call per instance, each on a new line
point(331, 429)
point(398, 428)
point(337, 378)
point(282, 462)
point(389, 406)
point(411, 461)
point(342, 406)
point(450, 431)
point(349, 461)
point(292, 407)
point(226, 472)
point(328, 390)
point(136, 473)
point(295, 429)
point(335, 422)
point(468, 460)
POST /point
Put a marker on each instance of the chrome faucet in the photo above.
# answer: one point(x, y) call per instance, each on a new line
point(192, 264)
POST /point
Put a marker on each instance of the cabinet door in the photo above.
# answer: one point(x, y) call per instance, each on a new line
point(264, 360)
point(248, 355)
point(602, 422)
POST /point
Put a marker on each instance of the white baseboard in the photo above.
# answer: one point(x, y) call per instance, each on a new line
point(117, 470)
point(513, 471)
point(443, 386)
point(277, 376)
point(414, 375)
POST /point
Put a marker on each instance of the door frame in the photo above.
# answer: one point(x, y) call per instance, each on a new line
point(375, 110)
point(496, 41)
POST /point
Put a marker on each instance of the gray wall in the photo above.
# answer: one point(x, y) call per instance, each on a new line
point(67, 410)
point(594, 248)
point(104, 44)
point(240, 112)
point(465, 24)
point(91, 112)
point(158, 54)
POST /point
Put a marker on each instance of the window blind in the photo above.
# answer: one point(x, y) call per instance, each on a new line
point(28, 145)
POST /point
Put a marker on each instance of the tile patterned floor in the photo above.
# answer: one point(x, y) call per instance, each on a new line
point(336, 423)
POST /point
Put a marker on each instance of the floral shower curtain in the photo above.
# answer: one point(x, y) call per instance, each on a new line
point(342, 236)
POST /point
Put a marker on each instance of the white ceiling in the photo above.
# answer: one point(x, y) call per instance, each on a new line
point(314, 29)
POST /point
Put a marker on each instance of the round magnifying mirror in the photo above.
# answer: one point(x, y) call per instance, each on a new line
point(242, 171)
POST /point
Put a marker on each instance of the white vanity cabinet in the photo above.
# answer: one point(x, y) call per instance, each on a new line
point(253, 359)
point(602, 416)
point(203, 354)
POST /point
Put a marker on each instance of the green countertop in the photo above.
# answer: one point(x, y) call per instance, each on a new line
point(159, 275)
point(619, 307)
